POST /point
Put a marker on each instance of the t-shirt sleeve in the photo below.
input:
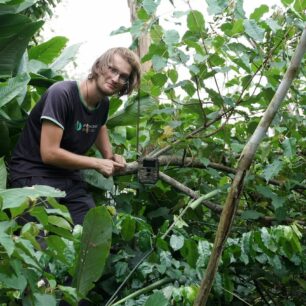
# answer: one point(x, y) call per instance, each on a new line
point(56, 108)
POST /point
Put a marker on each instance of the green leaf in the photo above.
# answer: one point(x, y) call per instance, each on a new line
point(150, 6)
point(195, 22)
point(156, 299)
point(128, 115)
point(11, 7)
point(3, 173)
point(48, 51)
point(44, 299)
point(13, 281)
point(188, 87)
point(189, 252)
point(287, 2)
point(15, 197)
point(171, 37)
point(57, 248)
point(159, 62)
point(229, 286)
point(8, 244)
point(289, 145)
point(144, 240)
point(300, 6)
point(128, 227)
point(94, 249)
point(272, 169)
point(96, 179)
point(40, 214)
point(278, 202)
point(143, 15)
point(66, 57)
point(13, 88)
point(159, 79)
point(114, 104)
point(176, 242)
point(59, 222)
point(239, 11)
point(268, 240)
point(15, 33)
point(254, 30)
point(251, 215)
point(273, 25)
point(259, 12)
point(216, 6)
point(70, 294)
point(156, 33)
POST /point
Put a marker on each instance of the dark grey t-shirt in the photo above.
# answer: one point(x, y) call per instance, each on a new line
point(62, 105)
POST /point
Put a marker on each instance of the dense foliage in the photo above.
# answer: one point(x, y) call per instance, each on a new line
point(212, 77)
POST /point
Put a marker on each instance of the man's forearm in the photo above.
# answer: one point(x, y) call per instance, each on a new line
point(64, 159)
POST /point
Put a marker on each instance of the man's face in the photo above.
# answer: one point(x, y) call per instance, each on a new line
point(114, 77)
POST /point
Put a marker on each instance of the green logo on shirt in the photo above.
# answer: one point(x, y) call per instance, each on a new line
point(78, 126)
point(85, 127)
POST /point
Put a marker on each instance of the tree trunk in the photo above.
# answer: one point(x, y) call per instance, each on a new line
point(144, 40)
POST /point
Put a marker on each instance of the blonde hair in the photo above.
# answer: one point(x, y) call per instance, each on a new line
point(105, 59)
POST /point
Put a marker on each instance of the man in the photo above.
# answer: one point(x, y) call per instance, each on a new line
point(65, 123)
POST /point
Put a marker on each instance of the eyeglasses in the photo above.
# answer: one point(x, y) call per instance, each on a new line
point(122, 78)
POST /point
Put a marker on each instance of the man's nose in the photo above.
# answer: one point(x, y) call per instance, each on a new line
point(116, 77)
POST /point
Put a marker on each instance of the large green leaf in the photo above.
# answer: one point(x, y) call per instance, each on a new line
point(94, 250)
point(15, 6)
point(66, 57)
point(15, 197)
point(96, 179)
point(128, 115)
point(13, 88)
point(15, 33)
point(48, 51)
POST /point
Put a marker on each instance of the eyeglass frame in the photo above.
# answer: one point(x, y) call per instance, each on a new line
point(123, 79)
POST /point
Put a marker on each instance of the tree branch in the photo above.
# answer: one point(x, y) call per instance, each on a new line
point(167, 160)
point(216, 208)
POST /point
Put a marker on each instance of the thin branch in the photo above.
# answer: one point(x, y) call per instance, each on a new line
point(149, 288)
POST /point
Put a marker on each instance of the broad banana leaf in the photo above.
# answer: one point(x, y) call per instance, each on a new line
point(48, 51)
point(66, 57)
point(15, 33)
point(94, 250)
point(16, 7)
point(13, 88)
